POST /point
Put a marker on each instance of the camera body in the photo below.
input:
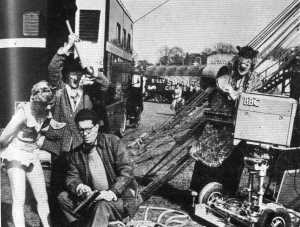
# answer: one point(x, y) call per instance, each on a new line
point(265, 119)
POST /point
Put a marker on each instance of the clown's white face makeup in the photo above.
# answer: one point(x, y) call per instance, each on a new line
point(244, 65)
point(74, 79)
point(41, 93)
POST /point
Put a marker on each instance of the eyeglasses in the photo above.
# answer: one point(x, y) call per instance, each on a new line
point(86, 130)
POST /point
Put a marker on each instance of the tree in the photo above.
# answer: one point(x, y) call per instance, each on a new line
point(207, 51)
point(277, 53)
point(194, 71)
point(160, 71)
point(180, 70)
point(176, 56)
point(170, 71)
point(164, 60)
point(142, 65)
point(150, 71)
point(192, 58)
point(164, 55)
point(224, 48)
point(171, 56)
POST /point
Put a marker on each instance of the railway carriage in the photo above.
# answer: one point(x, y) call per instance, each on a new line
point(32, 30)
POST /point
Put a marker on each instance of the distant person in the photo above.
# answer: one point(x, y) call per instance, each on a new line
point(177, 97)
point(19, 143)
point(100, 163)
point(134, 105)
point(197, 88)
point(192, 90)
point(187, 93)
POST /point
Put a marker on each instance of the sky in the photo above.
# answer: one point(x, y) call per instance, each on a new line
point(197, 24)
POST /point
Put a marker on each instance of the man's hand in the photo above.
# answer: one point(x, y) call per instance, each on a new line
point(83, 189)
point(98, 76)
point(86, 80)
point(66, 49)
point(234, 94)
point(72, 39)
point(102, 80)
point(90, 70)
point(107, 195)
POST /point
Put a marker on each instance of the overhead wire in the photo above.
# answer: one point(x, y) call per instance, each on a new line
point(279, 30)
point(272, 24)
point(151, 11)
point(283, 37)
point(283, 41)
point(271, 34)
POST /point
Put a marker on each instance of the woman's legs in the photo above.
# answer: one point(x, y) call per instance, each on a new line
point(37, 181)
point(16, 177)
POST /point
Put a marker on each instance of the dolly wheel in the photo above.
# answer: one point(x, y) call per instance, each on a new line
point(274, 218)
point(210, 192)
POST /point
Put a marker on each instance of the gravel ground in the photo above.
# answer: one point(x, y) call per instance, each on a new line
point(173, 195)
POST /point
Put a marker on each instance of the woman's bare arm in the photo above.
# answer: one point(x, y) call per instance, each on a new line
point(12, 128)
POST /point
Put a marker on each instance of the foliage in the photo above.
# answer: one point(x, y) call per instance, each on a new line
point(192, 58)
point(171, 56)
point(170, 70)
point(207, 51)
point(193, 71)
point(224, 48)
point(180, 70)
point(142, 65)
point(277, 53)
point(160, 71)
point(164, 55)
point(176, 56)
point(150, 72)
point(219, 48)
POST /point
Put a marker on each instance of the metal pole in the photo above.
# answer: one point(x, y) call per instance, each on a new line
point(75, 46)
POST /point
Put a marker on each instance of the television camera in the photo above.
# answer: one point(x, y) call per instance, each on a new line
point(265, 124)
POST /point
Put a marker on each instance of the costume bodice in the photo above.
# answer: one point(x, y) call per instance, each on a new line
point(30, 131)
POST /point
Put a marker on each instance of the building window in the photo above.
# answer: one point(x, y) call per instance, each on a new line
point(89, 25)
point(119, 32)
point(124, 38)
point(129, 42)
point(31, 23)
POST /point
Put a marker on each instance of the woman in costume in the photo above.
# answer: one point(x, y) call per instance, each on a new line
point(19, 142)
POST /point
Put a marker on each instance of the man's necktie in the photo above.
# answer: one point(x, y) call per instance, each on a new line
point(74, 96)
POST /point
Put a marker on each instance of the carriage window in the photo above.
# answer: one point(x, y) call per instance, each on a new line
point(89, 25)
point(124, 38)
point(31, 23)
point(129, 42)
point(119, 32)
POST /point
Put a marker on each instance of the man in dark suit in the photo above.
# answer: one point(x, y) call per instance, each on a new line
point(100, 163)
